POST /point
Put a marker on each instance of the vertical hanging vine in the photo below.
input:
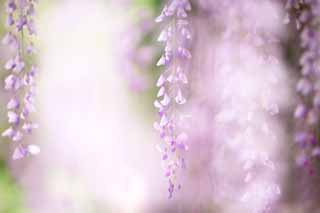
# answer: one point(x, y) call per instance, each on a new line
point(306, 114)
point(172, 85)
point(19, 82)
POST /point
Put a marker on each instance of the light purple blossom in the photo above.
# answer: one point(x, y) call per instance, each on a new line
point(28, 127)
point(20, 81)
point(14, 103)
point(307, 112)
point(304, 87)
point(8, 133)
point(10, 64)
point(18, 136)
point(300, 111)
point(21, 151)
point(13, 118)
point(12, 82)
point(172, 85)
point(11, 6)
point(9, 39)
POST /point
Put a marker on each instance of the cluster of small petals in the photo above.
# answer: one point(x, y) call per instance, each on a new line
point(19, 81)
point(23, 151)
point(172, 85)
point(307, 111)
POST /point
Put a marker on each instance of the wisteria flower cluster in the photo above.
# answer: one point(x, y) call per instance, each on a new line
point(172, 85)
point(20, 80)
point(306, 114)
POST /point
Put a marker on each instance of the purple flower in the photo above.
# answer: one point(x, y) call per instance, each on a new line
point(31, 27)
point(316, 100)
point(13, 118)
point(172, 84)
point(19, 64)
point(31, 10)
point(10, 20)
point(304, 86)
point(17, 136)
point(28, 107)
point(8, 133)
point(8, 38)
point(30, 49)
point(21, 80)
point(22, 151)
point(28, 127)
point(21, 22)
point(304, 16)
point(184, 53)
point(10, 64)
point(14, 103)
point(180, 99)
point(307, 111)
point(19, 153)
point(300, 111)
point(12, 82)
point(11, 6)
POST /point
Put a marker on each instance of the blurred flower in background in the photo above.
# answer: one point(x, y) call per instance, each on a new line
point(95, 110)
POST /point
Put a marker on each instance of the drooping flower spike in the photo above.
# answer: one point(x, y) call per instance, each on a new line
point(173, 83)
point(19, 82)
point(306, 114)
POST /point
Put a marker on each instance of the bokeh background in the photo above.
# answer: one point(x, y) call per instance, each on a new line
point(95, 98)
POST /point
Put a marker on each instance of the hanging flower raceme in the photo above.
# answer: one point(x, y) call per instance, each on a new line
point(19, 82)
point(172, 85)
point(307, 111)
